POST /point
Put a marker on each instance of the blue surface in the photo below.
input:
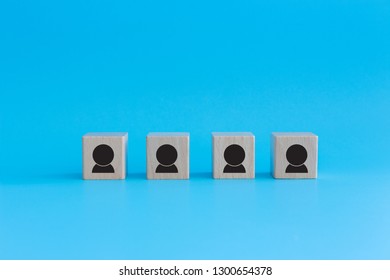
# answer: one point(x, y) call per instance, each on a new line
point(71, 67)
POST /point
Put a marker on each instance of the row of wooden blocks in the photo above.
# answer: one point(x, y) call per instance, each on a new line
point(294, 155)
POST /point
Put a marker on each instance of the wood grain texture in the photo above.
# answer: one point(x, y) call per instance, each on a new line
point(281, 142)
point(118, 143)
point(221, 141)
point(181, 142)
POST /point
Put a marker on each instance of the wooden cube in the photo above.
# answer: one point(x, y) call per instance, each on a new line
point(168, 155)
point(104, 156)
point(233, 155)
point(294, 155)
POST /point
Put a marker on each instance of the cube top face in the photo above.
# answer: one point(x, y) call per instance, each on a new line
point(293, 134)
point(168, 155)
point(294, 155)
point(168, 134)
point(233, 155)
point(106, 134)
point(104, 156)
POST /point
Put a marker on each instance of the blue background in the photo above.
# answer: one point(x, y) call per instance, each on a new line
point(72, 67)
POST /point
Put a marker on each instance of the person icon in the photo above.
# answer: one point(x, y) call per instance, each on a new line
point(234, 156)
point(166, 156)
point(296, 156)
point(103, 156)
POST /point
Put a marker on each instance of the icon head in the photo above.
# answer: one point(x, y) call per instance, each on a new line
point(166, 155)
point(103, 155)
point(234, 155)
point(296, 155)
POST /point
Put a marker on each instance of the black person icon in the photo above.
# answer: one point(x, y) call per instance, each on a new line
point(234, 156)
point(103, 156)
point(166, 156)
point(296, 156)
